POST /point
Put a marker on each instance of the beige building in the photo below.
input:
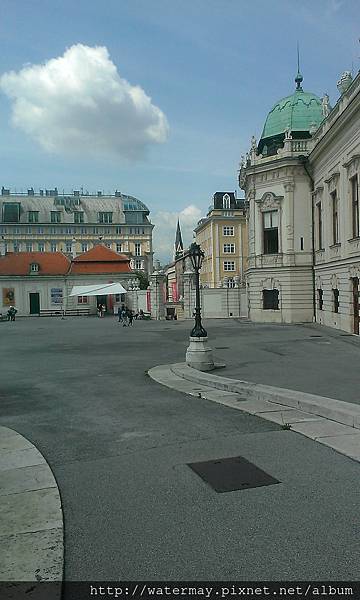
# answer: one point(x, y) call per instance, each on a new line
point(301, 182)
point(49, 221)
point(222, 236)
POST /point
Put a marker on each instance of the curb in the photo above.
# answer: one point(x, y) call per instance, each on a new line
point(329, 408)
point(31, 518)
point(330, 422)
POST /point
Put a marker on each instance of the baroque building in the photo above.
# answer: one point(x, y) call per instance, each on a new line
point(222, 235)
point(301, 182)
point(50, 221)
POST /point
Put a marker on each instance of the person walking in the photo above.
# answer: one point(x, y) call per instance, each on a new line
point(103, 310)
point(119, 312)
point(131, 317)
point(124, 317)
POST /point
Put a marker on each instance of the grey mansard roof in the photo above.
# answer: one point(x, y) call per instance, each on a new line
point(121, 206)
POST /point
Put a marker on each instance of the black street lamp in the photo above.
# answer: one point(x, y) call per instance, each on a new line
point(196, 257)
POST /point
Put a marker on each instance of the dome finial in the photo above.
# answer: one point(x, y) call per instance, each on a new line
point(299, 77)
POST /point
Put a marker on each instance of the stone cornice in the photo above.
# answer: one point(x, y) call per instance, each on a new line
point(351, 160)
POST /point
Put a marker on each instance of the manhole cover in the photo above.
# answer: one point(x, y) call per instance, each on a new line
point(230, 474)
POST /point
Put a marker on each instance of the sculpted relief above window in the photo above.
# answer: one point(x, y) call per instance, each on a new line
point(269, 201)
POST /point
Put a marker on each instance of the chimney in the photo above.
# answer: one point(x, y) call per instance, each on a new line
point(73, 247)
point(2, 246)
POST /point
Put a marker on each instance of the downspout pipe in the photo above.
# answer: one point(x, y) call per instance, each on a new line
point(305, 163)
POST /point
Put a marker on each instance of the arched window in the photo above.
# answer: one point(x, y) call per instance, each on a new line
point(226, 201)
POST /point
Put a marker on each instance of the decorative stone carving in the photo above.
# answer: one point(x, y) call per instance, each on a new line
point(253, 143)
point(344, 82)
point(288, 135)
point(334, 282)
point(353, 165)
point(354, 271)
point(332, 181)
point(325, 106)
point(289, 186)
point(269, 201)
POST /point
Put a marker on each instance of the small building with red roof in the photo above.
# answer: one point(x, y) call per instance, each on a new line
point(41, 282)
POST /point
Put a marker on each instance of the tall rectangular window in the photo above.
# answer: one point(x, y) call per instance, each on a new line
point(41, 246)
point(29, 247)
point(335, 217)
point(137, 249)
point(320, 299)
point(82, 300)
point(319, 225)
point(271, 299)
point(68, 246)
point(84, 247)
point(55, 216)
point(119, 247)
point(355, 205)
point(33, 216)
point(271, 237)
point(336, 300)
point(229, 248)
point(16, 246)
point(138, 264)
point(78, 217)
point(53, 247)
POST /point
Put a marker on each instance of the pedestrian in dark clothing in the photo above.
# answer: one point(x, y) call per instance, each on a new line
point(11, 313)
point(119, 313)
point(130, 317)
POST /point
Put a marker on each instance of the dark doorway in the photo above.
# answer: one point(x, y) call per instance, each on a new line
point(355, 281)
point(34, 303)
point(102, 300)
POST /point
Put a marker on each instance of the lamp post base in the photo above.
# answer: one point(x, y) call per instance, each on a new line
point(199, 355)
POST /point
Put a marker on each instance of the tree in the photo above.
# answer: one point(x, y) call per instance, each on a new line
point(143, 279)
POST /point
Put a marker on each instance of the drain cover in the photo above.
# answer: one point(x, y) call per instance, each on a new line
point(230, 474)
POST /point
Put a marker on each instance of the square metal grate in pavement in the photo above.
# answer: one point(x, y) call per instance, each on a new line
point(230, 474)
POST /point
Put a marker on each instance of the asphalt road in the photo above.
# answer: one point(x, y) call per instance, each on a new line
point(119, 445)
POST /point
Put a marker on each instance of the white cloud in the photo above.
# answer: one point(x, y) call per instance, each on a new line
point(165, 230)
point(78, 104)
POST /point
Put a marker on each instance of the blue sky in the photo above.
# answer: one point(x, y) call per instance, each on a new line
point(212, 68)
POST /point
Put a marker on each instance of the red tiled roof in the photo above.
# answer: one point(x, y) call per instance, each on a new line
point(100, 253)
point(50, 263)
point(98, 268)
point(100, 259)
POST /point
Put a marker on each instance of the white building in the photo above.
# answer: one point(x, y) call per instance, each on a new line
point(301, 182)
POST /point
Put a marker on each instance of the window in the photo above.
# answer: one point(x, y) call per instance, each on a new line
point(271, 299)
point(11, 212)
point(336, 300)
point(119, 247)
point(271, 241)
point(138, 264)
point(84, 247)
point(230, 283)
point(226, 201)
point(29, 247)
point(78, 217)
point(29, 230)
point(320, 299)
point(53, 231)
point(96, 230)
point(335, 217)
point(228, 230)
point(53, 247)
point(41, 246)
point(69, 231)
point(229, 265)
point(118, 230)
point(16, 246)
point(319, 225)
point(34, 267)
point(67, 246)
point(105, 217)
point(137, 249)
point(355, 205)
point(229, 248)
point(82, 230)
point(82, 299)
point(55, 216)
point(40, 230)
point(33, 216)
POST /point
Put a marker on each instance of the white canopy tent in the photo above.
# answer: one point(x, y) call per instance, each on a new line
point(98, 289)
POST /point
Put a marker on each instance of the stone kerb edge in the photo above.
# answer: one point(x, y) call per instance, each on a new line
point(335, 410)
point(34, 535)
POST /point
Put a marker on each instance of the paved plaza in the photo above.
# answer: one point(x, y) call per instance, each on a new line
point(119, 445)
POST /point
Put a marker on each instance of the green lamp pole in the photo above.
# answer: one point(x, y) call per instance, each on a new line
point(196, 257)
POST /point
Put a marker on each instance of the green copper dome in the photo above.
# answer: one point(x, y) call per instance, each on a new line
point(300, 112)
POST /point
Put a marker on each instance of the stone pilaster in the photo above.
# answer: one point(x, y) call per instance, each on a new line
point(157, 291)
